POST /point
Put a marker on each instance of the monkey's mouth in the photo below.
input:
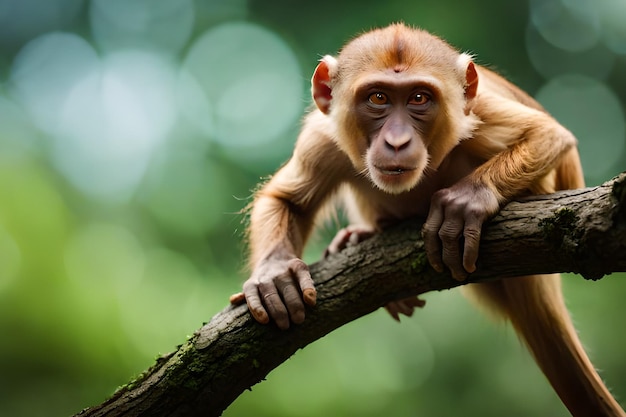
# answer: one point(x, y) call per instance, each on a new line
point(394, 170)
point(395, 179)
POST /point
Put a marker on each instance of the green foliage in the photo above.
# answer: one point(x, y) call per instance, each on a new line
point(131, 136)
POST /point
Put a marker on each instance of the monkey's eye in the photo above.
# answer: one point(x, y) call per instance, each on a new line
point(419, 99)
point(378, 99)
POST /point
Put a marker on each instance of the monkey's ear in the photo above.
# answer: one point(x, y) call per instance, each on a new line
point(471, 81)
point(320, 83)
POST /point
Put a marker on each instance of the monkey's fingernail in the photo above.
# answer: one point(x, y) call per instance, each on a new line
point(310, 296)
point(237, 299)
point(261, 316)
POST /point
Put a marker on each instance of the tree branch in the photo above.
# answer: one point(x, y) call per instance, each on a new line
point(581, 231)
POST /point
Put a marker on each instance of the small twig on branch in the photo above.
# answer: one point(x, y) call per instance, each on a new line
point(581, 231)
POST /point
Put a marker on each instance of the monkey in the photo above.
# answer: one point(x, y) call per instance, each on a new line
point(403, 125)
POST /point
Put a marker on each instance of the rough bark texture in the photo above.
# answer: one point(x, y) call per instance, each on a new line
point(582, 231)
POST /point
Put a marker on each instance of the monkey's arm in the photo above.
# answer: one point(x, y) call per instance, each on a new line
point(521, 145)
point(281, 220)
point(534, 144)
point(276, 238)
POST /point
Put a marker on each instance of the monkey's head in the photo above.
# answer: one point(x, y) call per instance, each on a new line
point(399, 99)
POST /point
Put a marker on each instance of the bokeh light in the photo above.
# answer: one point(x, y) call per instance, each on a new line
point(194, 105)
point(573, 25)
point(550, 60)
point(594, 114)
point(104, 116)
point(579, 25)
point(24, 19)
point(252, 79)
point(210, 13)
point(112, 121)
point(573, 44)
point(614, 29)
point(18, 137)
point(164, 25)
point(45, 70)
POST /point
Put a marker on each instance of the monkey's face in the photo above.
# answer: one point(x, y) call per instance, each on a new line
point(395, 119)
point(397, 99)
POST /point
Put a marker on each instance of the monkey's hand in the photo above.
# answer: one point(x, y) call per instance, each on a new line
point(452, 230)
point(278, 290)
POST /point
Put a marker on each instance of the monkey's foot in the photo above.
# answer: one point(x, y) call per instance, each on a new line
point(348, 236)
point(405, 306)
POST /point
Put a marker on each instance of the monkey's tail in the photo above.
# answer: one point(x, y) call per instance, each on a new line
point(535, 306)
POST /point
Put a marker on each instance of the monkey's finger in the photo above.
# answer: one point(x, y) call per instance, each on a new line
point(274, 304)
point(432, 243)
point(392, 309)
point(359, 233)
point(237, 299)
point(254, 303)
point(405, 308)
point(414, 302)
point(339, 242)
point(300, 271)
point(471, 235)
point(292, 300)
point(450, 234)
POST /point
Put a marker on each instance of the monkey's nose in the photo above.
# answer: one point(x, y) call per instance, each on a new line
point(397, 142)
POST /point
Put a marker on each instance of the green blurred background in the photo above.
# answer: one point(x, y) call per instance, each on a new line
point(131, 134)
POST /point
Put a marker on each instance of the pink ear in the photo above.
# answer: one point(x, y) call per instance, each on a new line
point(320, 89)
point(471, 80)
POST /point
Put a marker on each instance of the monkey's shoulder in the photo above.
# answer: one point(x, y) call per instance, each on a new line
point(493, 83)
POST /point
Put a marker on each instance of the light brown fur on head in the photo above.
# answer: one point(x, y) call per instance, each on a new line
point(398, 48)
